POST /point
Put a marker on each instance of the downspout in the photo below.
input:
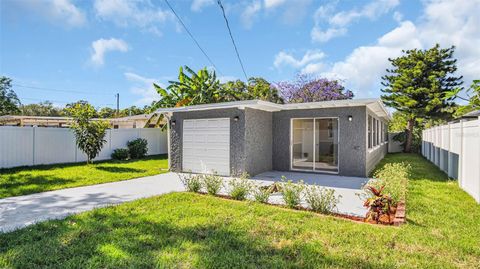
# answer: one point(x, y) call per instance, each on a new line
point(168, 117)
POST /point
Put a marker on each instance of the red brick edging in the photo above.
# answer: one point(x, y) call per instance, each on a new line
point(400, 214)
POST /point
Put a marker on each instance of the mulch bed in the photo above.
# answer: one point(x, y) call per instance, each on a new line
point(396, 219)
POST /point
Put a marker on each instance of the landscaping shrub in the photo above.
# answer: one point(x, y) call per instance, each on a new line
point(379, 206)
point(213, 183)
point(321, 199)
point(292, 192)
point(261, 194)
point(240, 187)
point(120, 154)
point(137, 148)
point(393, 178)
point(192, 183)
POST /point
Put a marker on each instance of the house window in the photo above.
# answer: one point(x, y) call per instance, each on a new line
point(386, 132)
point(115, 126)
point(369, 132)
point(380, 140)
point(374, 132)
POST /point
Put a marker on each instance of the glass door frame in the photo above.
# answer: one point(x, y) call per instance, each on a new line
point(314, 155)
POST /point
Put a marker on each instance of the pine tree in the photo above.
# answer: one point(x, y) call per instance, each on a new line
point(418, 83)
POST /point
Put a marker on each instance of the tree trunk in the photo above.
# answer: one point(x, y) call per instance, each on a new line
point(408, 143)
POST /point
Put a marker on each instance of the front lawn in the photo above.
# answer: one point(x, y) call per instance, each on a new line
point(27, 180)
point(183, 230)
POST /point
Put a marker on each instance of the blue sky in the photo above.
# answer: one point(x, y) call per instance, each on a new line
point(103, 47)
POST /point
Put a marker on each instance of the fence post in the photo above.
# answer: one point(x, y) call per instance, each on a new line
point(449, 154)
point(478, 166)
point(460, 157)
point(33, 145)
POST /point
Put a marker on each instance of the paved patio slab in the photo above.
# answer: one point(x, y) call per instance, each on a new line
point(348, 187)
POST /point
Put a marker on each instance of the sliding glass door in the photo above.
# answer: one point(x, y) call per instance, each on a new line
point(315, 144)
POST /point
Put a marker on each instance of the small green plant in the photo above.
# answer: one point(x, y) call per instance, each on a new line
point(321, 199)
point(261, 193)
point(240, 187)
point(89, 134)
point(292, 192)
point(120, 154)
point(392, 177)
point(192, 183)
point(137, 148)
point(213, 183)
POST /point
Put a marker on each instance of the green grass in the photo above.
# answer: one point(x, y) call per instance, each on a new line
point(27, 180)
point(183, 230)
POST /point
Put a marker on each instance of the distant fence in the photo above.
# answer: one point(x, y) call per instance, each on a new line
point(393, 145)
point(455, 149)
point(25, 146)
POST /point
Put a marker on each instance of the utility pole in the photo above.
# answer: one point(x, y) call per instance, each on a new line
point(118, 104)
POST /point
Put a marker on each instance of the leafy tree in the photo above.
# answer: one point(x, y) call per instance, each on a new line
point(69, 108)
point(257, 88)
point(41, 109)
point(418, 83)
point(89, 134)
point(472, 97)
point(192, 88)
point(131, 111)
point(305, 88)
point(9, 101)
point(107, 112)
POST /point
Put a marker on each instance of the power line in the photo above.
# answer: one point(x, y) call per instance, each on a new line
point(191, 35)
point(58, 90)
point(233, 41)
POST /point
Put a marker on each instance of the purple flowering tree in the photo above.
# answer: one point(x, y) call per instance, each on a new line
point(309, 89)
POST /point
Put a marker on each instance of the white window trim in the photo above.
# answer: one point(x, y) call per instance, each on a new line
point(375, 122)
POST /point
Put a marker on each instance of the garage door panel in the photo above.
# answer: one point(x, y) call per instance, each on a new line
point(206, 145)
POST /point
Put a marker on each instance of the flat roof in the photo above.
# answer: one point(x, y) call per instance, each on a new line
point(374, 104)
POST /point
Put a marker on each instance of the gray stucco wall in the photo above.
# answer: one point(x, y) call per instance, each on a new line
point(374, 156)
point(258, 141)
point(237, 136)
point(352, 137)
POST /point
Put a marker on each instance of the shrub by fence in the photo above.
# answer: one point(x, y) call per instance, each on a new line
point(455, 149)
point(25, 146)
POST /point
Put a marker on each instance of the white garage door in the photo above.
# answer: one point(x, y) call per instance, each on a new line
point(206, 146)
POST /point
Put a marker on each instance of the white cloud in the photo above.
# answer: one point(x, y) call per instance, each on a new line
point(198, 5)
point(286, 59)
point(144, 87)
point(445, 22)
point(338, 22)
point(142, 14)
point(63, 11)
point(102, 46)
point(273, 3)
point(250, 12)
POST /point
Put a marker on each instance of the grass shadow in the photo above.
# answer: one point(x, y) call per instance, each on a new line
point(117, 169)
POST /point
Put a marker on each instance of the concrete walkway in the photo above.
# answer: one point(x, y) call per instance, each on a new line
point(20, 211)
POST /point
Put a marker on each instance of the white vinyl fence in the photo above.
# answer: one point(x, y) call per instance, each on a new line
point(25, 146)
point(455, 149)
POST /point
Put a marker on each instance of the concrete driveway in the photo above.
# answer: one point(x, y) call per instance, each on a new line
point(20, 211)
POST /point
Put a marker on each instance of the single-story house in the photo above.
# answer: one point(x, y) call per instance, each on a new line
point(344, 137)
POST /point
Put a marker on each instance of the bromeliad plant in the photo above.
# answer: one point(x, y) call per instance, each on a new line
point(379, 206)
